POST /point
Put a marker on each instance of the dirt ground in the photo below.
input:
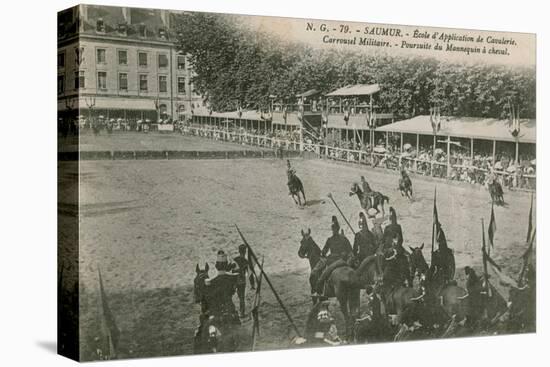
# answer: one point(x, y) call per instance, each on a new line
point(146, 224)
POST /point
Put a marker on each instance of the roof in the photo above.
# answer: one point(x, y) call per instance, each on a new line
point(292, 118)
point(466, 127)
point(308, 93)
point(355, 90)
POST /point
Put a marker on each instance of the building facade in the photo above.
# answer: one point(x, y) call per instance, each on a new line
point(122, 63)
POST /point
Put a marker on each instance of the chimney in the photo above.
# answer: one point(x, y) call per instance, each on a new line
point(142, 30)
point(126, 15)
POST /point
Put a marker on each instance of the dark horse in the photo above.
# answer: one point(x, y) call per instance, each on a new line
point(344, 282)
point(495, 190)
point(449, 296)
point(213, 334)
point(405, 185)
point(371, 199)
point(295, 187)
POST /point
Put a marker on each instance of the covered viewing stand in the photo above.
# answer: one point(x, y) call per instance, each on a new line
point(465, 132)
point(247, 120)
point(349, 111)
point(356, 99)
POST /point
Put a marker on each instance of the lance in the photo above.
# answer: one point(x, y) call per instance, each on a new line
point(342, 214)
point(484, 258)
point(262, 272)
point(256, 310)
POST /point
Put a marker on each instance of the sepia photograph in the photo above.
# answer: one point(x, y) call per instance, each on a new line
point(238, 183)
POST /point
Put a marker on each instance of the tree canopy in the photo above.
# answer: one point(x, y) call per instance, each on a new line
point(237, 67)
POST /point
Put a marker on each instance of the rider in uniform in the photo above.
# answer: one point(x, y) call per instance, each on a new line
point(377, 230)
point(338, 248)
point(290, 172)
point(364, 244)
point(241, 267)
point(443, 265)
point(222, 288)
point(473, 288)
point(369, 193)
point(393, 230)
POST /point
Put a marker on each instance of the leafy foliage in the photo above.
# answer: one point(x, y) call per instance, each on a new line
point(234, 66)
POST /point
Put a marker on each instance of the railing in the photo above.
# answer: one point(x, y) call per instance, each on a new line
point(243, 138)
point(423, 167)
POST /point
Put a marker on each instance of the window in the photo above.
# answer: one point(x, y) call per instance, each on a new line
point(142, 59)
point(61, 60)
point(100, 25)
point(181, 62)
point(162, 111)
point(100, 52)
point(79, 79)
point(163, 84)
point(122, 57)
point(143, 83)
point(60, 84)
point(181, 85)
point(123, 81)
point(101, 80)
point(163, 61)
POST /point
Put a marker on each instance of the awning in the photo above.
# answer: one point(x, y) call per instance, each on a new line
point(466, 127)
point(115, 103)
point(308, 93)
point(355, 90)
point(246, 115)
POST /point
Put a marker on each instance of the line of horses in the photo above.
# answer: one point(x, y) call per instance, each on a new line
point(430, 300)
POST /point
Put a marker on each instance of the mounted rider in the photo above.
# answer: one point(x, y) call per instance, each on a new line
point(290, 173)
point(364, 243)
point(334, 254)
point(474, 288)
point(377, 230)
point(221, 289)
point(369, 193)
point(443, 260)
point(392, 231)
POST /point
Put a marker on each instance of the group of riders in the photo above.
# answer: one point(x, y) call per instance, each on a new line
point(396, 270)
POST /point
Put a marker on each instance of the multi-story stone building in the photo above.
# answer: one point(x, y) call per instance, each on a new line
point(122, 63)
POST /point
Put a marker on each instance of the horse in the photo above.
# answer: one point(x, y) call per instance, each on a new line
point(370, 199)
point(344, 282)
point(448, 295)
point(405, 185)
point(495, 190)
point(397, 297)
point(213, 334)
point(296, 187)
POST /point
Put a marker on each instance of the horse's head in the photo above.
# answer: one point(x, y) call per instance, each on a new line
point(199, 283)
point(418, 262)
point(354, 190)
point(307, 245)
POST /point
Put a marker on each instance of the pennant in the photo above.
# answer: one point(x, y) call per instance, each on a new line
point(492, 228)
point(530, 224)
point(108, 319)
point(436, 225)
point(498, 273)
point(435, 119)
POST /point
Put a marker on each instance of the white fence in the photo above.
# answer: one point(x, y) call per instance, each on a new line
point(458, 172)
